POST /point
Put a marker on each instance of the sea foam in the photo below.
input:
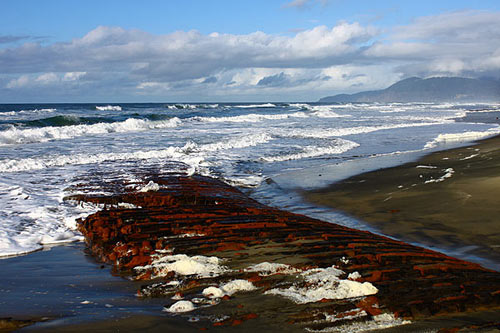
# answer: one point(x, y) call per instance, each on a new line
point(27, 112)
point(109, 108)
point(242, 145)
point(191, 106)
point(15, 135)
point(338, 147)
point(28, 226)
point(181, 264)
point(322, 283)
point(340, 132)
point(461, 137)
point(256, 106)
point(190, 154)
point(251, 118)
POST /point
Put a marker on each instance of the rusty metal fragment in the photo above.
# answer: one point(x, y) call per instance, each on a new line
point(203, 216)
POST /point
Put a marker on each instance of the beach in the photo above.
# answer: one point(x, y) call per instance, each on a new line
point(78, 163)
point(239, 265)
point(447, 200)
point(234, 166)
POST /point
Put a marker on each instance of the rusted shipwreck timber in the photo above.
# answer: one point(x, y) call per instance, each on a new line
point(195, 237)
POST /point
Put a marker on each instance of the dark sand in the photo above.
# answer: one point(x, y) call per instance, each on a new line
point(460, 214)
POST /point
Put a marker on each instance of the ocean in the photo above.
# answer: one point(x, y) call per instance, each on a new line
point(268, 150)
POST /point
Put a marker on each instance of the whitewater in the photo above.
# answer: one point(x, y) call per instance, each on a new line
point(46, 151)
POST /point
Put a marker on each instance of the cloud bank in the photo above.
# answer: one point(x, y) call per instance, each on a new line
point(112, 62)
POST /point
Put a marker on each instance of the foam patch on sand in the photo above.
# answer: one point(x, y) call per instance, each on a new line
point(448, 174)
point(151, 186)
point(229, 288)
point(213, 292)
point(267, 268)
point(353, 314)
point(426, 167)
point(324, 283)
point(469, 157)
point(180, 306)
point(354, 276)
point(126, 205)
point(186, 235)
point(235, 286)
point(181, 264)
point(382, 321)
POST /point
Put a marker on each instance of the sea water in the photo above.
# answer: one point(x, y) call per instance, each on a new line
point(265, 149)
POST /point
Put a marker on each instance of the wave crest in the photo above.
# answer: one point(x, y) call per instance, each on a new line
point(108, 108)
point(15, 135)
point(251, 118)
point(339, 146)
point(24, 112)
point(191, 106)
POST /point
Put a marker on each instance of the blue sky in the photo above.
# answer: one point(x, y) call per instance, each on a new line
point(199, 50)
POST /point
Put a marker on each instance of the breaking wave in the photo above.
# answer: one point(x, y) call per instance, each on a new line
point(338, 147)
point(256, 106)
point(251, 118)
point(191, 154)
point(108, 108)
point(461, 137)
point(318, 133)
point(14, 135)
point(27, 112)
point(242, 143)
point(191, 106)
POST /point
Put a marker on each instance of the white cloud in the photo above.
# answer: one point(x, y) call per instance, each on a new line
point(491, 62)
point(20, 82)
point(186, 55)
point(347, 57)
point(457, 43)
point(73, 76)
point(462, 26)
point(47, 78)
point(400, 50)
point(452, 66)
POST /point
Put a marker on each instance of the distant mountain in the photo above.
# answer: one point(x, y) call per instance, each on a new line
point(436, 89)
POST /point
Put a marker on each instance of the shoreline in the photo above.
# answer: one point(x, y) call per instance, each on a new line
point(127, 310)
point(283, 269)
point(445, 200)
point(79, 293)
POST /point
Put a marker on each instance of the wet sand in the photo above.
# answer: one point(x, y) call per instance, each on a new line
point(64, 289)
point(63, 284)
point(448, 200)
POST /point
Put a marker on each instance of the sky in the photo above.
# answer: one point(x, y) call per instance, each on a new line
point(234, 51)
